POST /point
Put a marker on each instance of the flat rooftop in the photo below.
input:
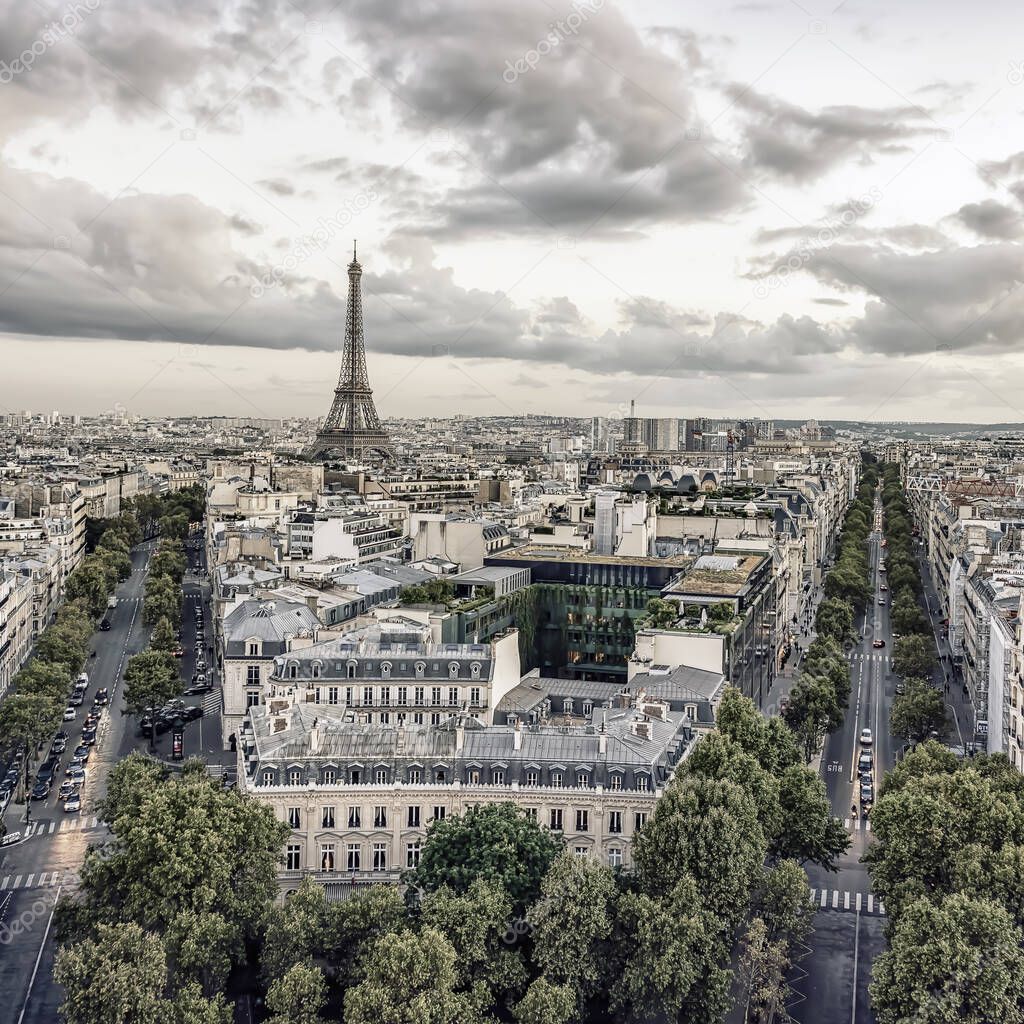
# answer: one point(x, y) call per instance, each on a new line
point(551, 553)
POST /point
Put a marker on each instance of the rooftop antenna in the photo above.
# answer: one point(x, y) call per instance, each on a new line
point(354, 251)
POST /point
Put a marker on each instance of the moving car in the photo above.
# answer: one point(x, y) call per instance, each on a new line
point(67, 787)
point(76, 699)
point(877, 643)
point(58, 746)
point(104, 625)
point(69, 714)
point(82, 752)
point(73, 803)
point(191, 713)
point(881, 600)
point(77, 774)
point(89, 735)
point(883, 587)
point(102, 696)
point(41, 790)
point(199, 688)
point(867, 793)
point(865, 738)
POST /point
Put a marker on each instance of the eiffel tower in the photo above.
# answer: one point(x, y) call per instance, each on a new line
point(352, 428)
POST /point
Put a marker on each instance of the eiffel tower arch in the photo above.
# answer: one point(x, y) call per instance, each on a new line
point(352, 428)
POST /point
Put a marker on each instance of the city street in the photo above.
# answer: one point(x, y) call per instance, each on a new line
point(37, 870)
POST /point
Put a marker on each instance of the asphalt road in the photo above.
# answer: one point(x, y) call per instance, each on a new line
point(830, 980)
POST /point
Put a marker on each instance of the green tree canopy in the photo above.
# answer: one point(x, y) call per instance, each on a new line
point(918, 711)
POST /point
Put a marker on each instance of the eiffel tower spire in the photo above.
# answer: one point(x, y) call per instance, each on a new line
point(352, 427)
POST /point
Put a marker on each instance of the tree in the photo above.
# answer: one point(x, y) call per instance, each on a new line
point(572, 924)
point(707, 830)
point(918, 711)
point(151, 679)
point(960, 961)
point(672, 959)
point(813, 710)
point(129, 786)
point(65, 643)
point(410, 979)
point(298, 997)
point(914, 656)
point(762, 974)
point(834, 619)
point(495, 841)
point(163, 600)
point(165, 636)
point(356, 924)
point(782, 902)
point(26, 720)
point(808, 830)
point(174, 525)
point(297, 932)
point(547, 1003)
point(90, 582)
point(767, 739)
point(847, 584)
point(118, 978)
point(203, 947)
point(660, 613)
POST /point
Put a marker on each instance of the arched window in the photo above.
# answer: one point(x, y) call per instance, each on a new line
point(351, 670)
point(453, 670)
point(420, 669)
point(293, 670)
point(474, 670)
point(316, 666)
point(385, 669)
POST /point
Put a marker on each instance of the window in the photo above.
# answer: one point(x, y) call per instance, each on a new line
point(531, 777)
point(567, 705)
point(556, 820)
point(293, 671)
point(295, 817)
point(293, 857)
point(439, 812)
point(531, 813)
point(453, 670)
point(413, 818)
point(327, 818)
point(639, 820)
point(385, 696)
point(581, 851)
point(380, 776)
point(615, 781)
point(350, 670)
point(354, 856)
point(474, 670)
point(582, 780)
point(368, 695)
point(403, 696)
point(691, 712)
point(417, 718)
point(435, 717)
point(354, 814)
point(473, 776)
point(435, 695)
point(556, 780)
point(614, 857)
point(474, 696)
point(498, 777)
point(380, 856)
point(417, 696)
point(330, 776)
point(355, 776)
point(588, 708)
point(420, 669)
point(453, 696)
point(385, 669)
point(583, 821)
point(252, 699)
point(414, 775)
point(295, 777)
point(268, 778)
point(252, 675)
point(385, 717)
point(642, 783)
point(252, 649)
point(440, 775)
point(327, 857)
point(615, 821)
point(380, 817)
point(412, 854)
point(315, 669)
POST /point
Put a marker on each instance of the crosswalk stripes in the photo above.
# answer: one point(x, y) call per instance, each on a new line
point(45, 880)
point(861, 656)
point(855, 825)
point(211, 702)
point(38, 828)
point(838, 899)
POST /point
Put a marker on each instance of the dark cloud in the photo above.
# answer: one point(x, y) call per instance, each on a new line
point(991, 219)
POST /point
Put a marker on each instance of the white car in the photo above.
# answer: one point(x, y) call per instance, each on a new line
point(73, 803)
point(69, 714)
point(865, 738)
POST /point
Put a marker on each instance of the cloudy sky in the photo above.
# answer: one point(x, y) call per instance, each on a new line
point(763, 208)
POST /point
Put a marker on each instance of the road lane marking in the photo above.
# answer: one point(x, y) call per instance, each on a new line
point(3, 884)
point(846, 901)
point(859, 898)
point(28, 881)
point(17, 881)
point(871, 903)
point(824, 897)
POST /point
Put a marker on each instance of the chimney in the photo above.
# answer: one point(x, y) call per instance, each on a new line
point(460, 736)
point(602, 739)
point(314, 738)
point(517, 736)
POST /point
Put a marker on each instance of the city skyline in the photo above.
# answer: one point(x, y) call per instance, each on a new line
point(813, 211)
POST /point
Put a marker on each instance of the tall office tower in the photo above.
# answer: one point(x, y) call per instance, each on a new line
point(604, 522)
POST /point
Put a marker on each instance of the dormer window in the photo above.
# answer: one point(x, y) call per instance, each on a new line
point(315, 668)
point(453, 670)
point(474, 670)
point(293, 670)
point(420, 669)
point(351, 670)
point(385, 669)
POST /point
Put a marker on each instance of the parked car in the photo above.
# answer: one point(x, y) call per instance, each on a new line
point(104, 625)
point(883, 587)
point(82, 752)
point(200, 688)
point(76, 699)
point(881, 600)
point(199, 677)
point(73, 765)
point(178, 652)
point(67, 787)
point(102, 696)
point(901, 688)
point(867, 793)
point(866, 738)
point(89, 736)
point(73, 803)
point(77, 774)
point(58, 746)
